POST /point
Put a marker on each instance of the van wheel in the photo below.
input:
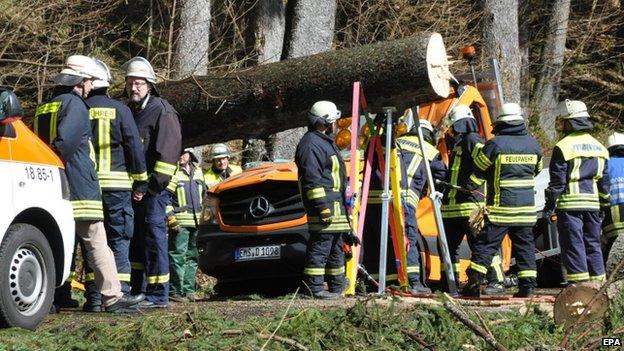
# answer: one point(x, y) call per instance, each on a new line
point(26, 277)
point(616, 254)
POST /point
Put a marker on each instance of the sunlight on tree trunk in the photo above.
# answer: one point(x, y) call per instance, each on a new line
point(191, 54)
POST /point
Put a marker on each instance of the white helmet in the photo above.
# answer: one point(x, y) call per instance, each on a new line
point(425, 124)
point(141, 68)
point(219, 151)
point(460, 112)
point(77, 68)
point(510, 113)
point(103, 76)
point(572, 109)
point(615, 139)
point(324, 112)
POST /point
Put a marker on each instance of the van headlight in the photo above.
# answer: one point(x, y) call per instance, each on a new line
point(64, 185)
point(209, 212)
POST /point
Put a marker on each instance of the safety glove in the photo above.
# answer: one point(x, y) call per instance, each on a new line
point(325, 216)
point(351, 239)
point(172, 224)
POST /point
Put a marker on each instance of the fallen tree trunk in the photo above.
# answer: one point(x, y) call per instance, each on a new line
point(269, 98)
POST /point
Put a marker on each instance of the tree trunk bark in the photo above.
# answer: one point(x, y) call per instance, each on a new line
point(547, 89)
point(269, 27)
point(275, 97)
point(524, 42)
point(501, 42)
point(310, 31)
point(191, 54)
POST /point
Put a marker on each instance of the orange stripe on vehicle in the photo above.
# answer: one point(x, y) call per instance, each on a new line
point(28, 148)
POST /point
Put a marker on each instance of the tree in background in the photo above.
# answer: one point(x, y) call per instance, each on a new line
point(192, 46)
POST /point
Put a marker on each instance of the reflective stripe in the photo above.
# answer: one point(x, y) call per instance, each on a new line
point(517, 183)
point(454, 177)
point(459, 210)
point(477, 267)
point(496, 265)
point(315, 193)
point(577, 277)
point(50, 109)
point(158, 279)
point(413, 269)
point(600, 277)
point(87, 209)
point(335, 271)
point(124, 277)
point(476, 180)
point(164, 168)
point(335, 173)
point(139, 176)
point(529, 273)
point(313, 271)
point(616, 227)
point(480, 159)
point(104, 116)
point(539, 166)
point(181, 196)
point(114, 179)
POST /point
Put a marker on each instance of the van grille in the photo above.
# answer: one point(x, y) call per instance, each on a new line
point(262, 203)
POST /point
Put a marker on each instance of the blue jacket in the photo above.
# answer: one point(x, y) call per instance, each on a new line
point(322, 180)
point(63, 123)
point(159, 128)
point(118, 150)
point(461, 166)
point(509, 163)
point(189, 190)
point(614, 219)
point(579, 176)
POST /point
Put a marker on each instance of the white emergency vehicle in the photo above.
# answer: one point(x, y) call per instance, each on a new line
point(36, 221)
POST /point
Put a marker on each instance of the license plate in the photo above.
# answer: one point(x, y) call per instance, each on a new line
point(257, 253)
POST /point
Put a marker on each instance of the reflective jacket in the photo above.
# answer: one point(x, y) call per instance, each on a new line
point(614, 221)
point(509, 163)
point(213, 177)
point(412, 167)
point(456, 203)
point(322, 180)
point(118, 150)
point(159, 128)
point(579, 179)
point(189, 190)
point(63, 123)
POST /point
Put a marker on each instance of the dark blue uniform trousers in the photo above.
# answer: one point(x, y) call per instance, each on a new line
point(324, 258)
point(415, 266)
point(149, 249)
point(487, 243)
point(119, 224)
point(456, 229)
point(579, 237)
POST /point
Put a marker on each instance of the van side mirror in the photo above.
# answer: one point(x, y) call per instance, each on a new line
point(10, 107)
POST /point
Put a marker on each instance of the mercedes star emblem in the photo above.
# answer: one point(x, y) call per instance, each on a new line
point(259, 207)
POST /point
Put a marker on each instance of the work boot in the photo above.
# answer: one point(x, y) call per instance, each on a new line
point(510, 281)
point(145, 304)
point(418, 289)
point(494, 288)
point(63, 298)
point(125, 303)
point(325, 295)
point(92, 306)
point(178, 298)
point(525, 291)
point(473, 286)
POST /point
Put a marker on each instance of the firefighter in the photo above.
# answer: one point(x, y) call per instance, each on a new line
point(322, 179)
point(120, 166)
point(63, 123)
point(508, 163)
point(579, 191)
point(183, 216)
point(159, 128)
point(613, 224)
point(413, 179)
point(220, 168)
point(457, 205)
